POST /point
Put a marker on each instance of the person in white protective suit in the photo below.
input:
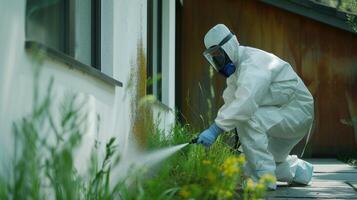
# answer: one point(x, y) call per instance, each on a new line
point(268, 104)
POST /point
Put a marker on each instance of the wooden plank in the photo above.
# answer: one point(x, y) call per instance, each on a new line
point(329, 184)
point(331, 165)
point(334, 176)
point(334, 169)
point(292, 198)
point(332, 179)
point(325, 161)
point(316, 184)
point(353, 184)
point(311, 192)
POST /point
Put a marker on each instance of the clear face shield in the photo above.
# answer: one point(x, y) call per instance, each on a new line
point(218, 58)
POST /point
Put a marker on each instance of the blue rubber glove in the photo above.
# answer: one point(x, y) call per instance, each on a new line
point(209, 136)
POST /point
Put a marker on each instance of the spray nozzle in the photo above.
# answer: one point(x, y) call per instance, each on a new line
point(194, 140)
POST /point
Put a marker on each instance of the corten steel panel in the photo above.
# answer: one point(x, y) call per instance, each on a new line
point(325, 58)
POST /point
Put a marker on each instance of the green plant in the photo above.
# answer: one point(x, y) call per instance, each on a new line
point(351, 18)
point(45, 144)
point(45, 165)
point(194, 172)
point(98, 187)
point(351, 7)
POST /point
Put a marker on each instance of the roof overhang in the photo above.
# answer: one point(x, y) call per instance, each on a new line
point(314, 11)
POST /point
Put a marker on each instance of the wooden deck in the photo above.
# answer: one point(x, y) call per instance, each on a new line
point(332, 180)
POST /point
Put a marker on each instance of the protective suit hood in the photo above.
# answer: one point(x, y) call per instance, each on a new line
point(216, 34)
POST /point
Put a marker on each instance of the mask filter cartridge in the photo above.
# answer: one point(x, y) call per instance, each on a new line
point(228, 69)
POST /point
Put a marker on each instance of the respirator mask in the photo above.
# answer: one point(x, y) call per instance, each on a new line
point(219, 59)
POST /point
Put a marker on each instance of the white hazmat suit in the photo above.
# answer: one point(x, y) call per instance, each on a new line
point(269, 105)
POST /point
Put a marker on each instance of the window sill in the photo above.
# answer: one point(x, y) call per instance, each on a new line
point(32, 45)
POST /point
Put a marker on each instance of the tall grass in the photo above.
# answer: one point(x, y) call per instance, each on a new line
point(195, 172)
point(44, 166)
point(45, 145)
point(45, 148)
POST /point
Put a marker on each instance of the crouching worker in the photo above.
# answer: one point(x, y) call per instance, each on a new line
point(268, 104)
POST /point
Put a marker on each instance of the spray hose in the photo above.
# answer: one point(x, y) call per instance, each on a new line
point(194, 140)
point(236, 140)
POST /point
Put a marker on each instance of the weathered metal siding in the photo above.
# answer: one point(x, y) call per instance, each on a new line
point(325, 58)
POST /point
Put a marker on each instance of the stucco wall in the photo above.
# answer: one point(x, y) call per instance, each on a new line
point(110, 102)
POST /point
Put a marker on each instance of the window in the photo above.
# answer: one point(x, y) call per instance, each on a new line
point(68, 26)
point(154, 50)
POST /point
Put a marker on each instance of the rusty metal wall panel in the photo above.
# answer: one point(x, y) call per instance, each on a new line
point(325, 58)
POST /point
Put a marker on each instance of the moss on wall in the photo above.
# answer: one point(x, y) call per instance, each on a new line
point(142, 117)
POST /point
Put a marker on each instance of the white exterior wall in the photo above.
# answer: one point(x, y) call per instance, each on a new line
point(127, 27)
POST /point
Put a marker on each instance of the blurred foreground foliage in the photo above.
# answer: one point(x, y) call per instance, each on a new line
point(45, 151)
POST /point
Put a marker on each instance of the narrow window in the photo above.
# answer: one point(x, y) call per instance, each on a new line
point(68, 26)
point(154, 47)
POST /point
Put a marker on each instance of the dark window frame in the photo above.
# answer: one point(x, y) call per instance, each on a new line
point(38, 48)
point(159, 49)
point(149, 65)
point(151, 56)
point(66, 55)
point(69, 31)
point(96, 34)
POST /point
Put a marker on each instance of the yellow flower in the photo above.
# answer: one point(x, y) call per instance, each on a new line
point(184, 192)
point(230, 166)
point(225, 193)
point(206, 162)
point(211, 177)
point(260, 186)
point(250, 184)
point(267, 178)
point(228, 194)
point(241, 160)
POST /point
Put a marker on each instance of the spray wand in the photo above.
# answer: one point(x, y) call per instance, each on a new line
point(194, 140)
point(236, 142)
